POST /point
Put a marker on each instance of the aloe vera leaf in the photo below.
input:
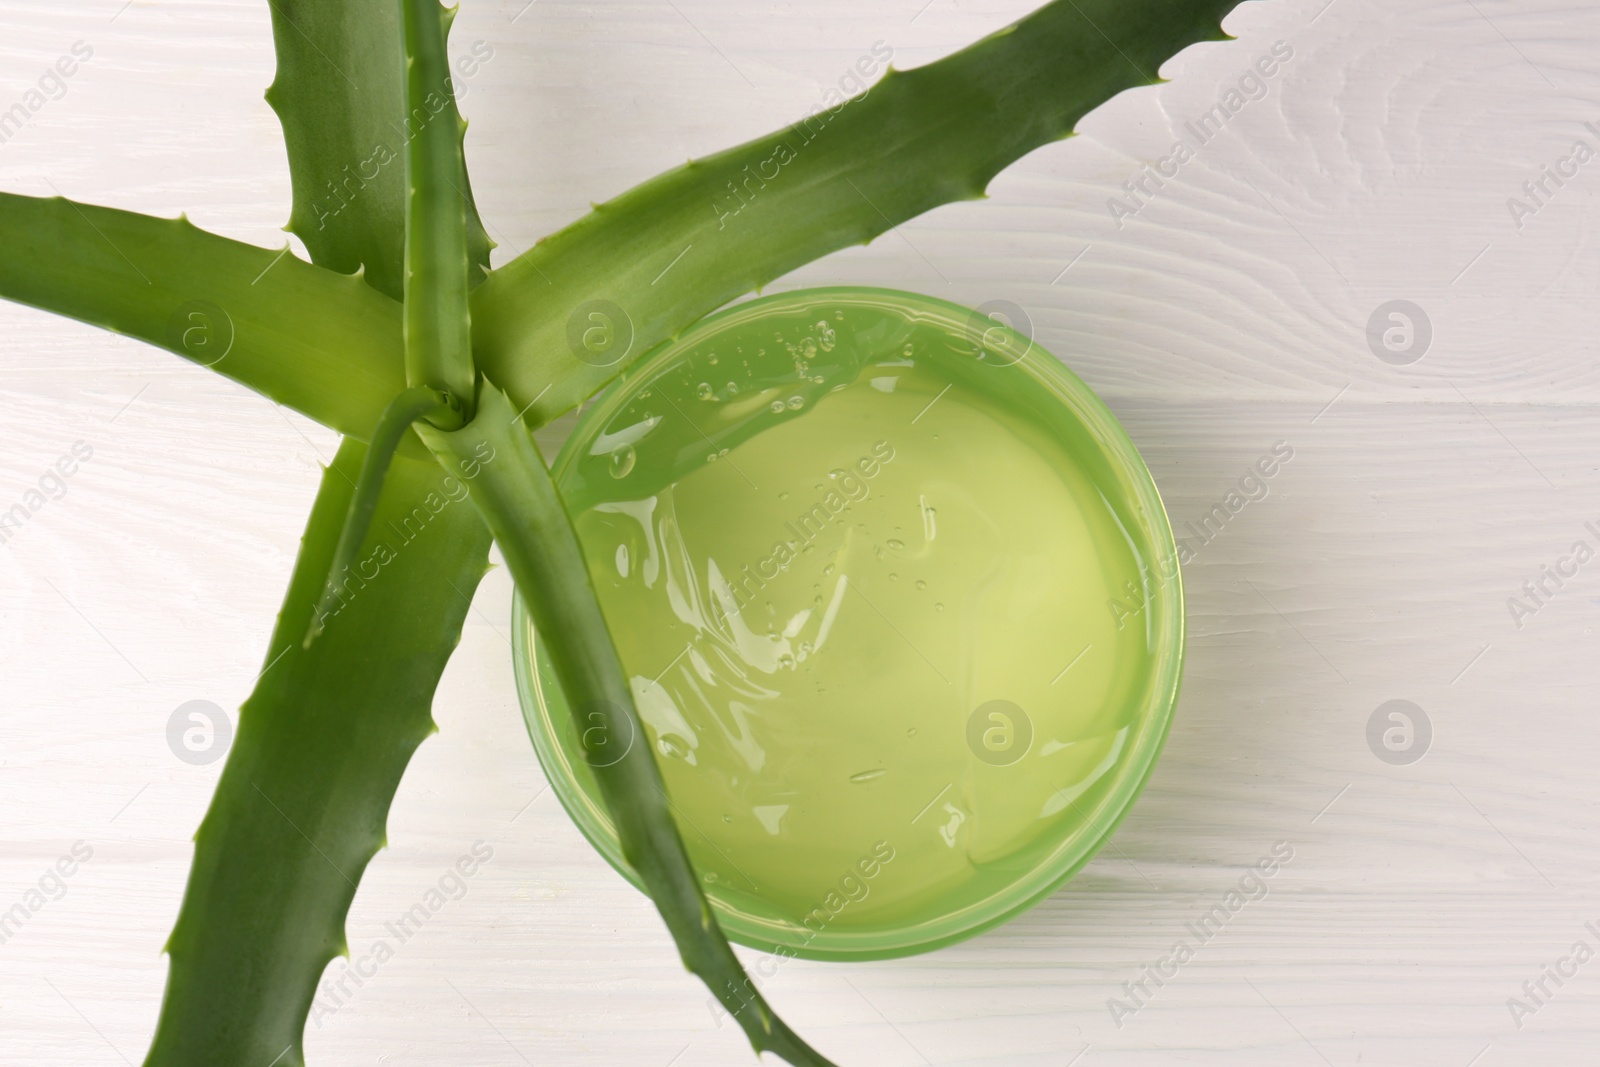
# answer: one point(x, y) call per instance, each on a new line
point(407, 408)
point(682, 244)
point(339, 94)
point(438, 327)
point(321, 745)
point(513, 490)
point(309, 338)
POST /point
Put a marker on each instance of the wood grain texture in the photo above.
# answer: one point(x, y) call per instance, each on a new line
point(1228, 314)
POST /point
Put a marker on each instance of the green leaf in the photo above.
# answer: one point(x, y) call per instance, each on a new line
point(513, 491)
point(309, 338)
point(339, 95)
point(438, 332)
point(406, 409)
point(684, 243)
point(320, 748)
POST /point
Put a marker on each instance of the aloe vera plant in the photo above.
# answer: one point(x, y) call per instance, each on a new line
point(436, 369)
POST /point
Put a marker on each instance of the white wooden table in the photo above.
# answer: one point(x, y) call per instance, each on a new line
point(1227, 314)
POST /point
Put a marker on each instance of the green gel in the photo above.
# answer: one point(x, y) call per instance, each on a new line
point(891, 613)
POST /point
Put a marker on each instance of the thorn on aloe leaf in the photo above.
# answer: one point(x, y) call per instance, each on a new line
point(405, 409)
